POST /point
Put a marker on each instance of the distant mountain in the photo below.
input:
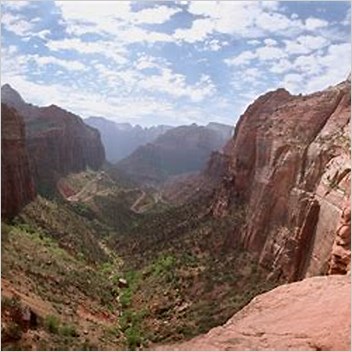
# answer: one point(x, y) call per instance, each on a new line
point(121, 139)
point(58, 142)
point(180, 150)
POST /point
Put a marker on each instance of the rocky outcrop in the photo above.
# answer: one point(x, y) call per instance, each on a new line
point(289, 164)
point(340, 260)
point(17, 186)
point(310, 315)
point(58, 141)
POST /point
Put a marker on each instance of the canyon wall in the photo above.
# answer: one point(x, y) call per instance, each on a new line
point(58, 141)
point(289, 165)
point(17, 185)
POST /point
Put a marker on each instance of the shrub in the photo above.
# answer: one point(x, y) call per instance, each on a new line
point(68, 330)
point(126, 297)
point(163, 265)
point(52, 324)
point(133, 337)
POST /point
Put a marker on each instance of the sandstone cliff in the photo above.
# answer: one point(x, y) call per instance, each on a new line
point(310, 315)
point(17, 186)
point(58, 141)
point(289, 164)
point(340, 260)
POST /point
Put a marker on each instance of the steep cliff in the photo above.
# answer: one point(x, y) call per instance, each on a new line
point(17, 186)
point(58, 141)
point(289, 165)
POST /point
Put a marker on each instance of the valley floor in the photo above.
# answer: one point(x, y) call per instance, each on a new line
point(156, 273)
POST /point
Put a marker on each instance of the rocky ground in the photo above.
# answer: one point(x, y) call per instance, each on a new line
point(309, 315)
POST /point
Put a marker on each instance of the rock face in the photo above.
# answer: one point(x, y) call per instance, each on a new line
point(310, 315)
point(17, 184)
point(180, 150)
point(340, 261)
point(58, 141)
point(289, 165)
point(121, 139)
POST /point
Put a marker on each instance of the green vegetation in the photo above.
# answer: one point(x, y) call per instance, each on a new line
point(52, 324)
point(68, 330)
point(185, 270)
point(163, 265)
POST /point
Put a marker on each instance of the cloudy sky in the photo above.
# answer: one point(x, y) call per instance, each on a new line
point(176, 62)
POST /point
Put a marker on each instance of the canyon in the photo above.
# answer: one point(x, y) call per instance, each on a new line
point(250, 252)
point(153, 163)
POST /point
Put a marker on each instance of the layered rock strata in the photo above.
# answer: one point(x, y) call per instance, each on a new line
point(17, 185)
point(289, 165)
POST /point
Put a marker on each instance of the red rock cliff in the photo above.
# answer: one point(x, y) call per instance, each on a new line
point(17, 186)
point(289, 164)
point(58, 141)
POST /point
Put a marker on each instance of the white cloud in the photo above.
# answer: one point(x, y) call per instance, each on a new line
point(115, 18)
point(318, 71)
point(304, 44)
point(347, 19)
point(100, 11)
point(281, 66)
point(198, 32)
point(247, 19)
point(313, 23)
point(307, 63)
point(242, 59)
point(93, 11)
point(156, 15)
point(16, 24)
point(292, 82)
point(270, 42)
point(69, 65)
point(147, 61)
point(215, 45)
point(106, 48)
point(15, 5)
point(253, 42)
point(270, 53)
point(175, 85)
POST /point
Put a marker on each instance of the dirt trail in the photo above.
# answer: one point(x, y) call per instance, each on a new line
point(84, 193)
point(134, 206)
point(91, 189)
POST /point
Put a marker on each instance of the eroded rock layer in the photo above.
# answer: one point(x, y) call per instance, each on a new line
point(289, 164)
point(58, 141)
point(17, 186)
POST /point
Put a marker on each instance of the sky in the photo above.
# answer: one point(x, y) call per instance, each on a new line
point(170, 62)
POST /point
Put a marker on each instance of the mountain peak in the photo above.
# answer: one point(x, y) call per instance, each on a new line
point(10, 96)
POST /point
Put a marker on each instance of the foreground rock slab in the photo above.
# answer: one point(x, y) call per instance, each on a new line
point(313, 314)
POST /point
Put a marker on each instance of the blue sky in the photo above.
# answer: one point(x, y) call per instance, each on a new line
point(170, 62)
